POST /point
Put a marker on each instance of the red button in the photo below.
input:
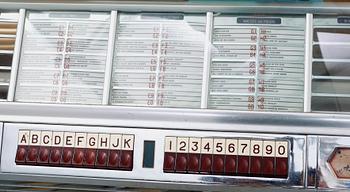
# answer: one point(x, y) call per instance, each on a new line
point(78, 157)
point(193, 163)
point(90, 157)
point(55, 155)
point(206, 163)
point(281, 167)
point(33, 152)
point(114, 159)
point(102, 157)
point(67, 156)
point(230, 165)
point(126, 160)
point(255, 166)
point(218, 164)
point(21, 154)
point(268, 166)
point(181, 162)
point(169, 162)
point(44, 154)
point(243, 165)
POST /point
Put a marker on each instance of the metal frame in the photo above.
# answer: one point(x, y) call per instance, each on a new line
point(310, 133)
point(296, 159)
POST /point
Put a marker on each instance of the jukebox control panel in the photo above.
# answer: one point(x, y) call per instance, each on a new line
point(164, 155)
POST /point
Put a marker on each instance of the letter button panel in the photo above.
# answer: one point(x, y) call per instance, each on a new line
point(75, 149)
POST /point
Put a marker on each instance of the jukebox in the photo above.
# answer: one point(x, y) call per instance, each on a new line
point(184, 95)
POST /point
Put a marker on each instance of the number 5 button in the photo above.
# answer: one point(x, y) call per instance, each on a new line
point(219, 156)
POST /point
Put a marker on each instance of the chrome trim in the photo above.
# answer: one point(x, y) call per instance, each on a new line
point(207, 59)
point(223, 7)
point(16, 54)
point(308, 62)
point(171, 118)
point(296, 157)
point(311, 161)
point(110, 57)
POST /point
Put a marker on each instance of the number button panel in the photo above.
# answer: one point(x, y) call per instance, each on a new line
point(227, 156)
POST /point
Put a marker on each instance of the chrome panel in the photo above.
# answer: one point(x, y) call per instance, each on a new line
point(325, 174)
point(296, 157)
point(223, 6)
point(311, 160)
point(184, 119)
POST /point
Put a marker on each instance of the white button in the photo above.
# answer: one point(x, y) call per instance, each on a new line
point(57, 139)
point(231, 147)
point(46, 138)
point(195, 145)
point(80, 140)
point(103, 141)
point(116, 142)
point(207, 146)
point(127, 142)
point(269, 149)
point(182, 145)
point(282, 149)
point(219, 146)
point(68, 139)
point(23, 137)
point(35, 138)
point(170, 144)
point(256, 148)
point(244, 147)
point(92, 139)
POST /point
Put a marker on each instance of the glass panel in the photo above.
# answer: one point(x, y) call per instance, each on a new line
point(331, 51)
point(158, 60)
point(331, 65)
point(3, 92)
point(331, 35)
point(330, 86)
point(327, 68)
point(5, 76)
point(257, 63)
point(5, 60)
point(63, 57)
point(330, 103)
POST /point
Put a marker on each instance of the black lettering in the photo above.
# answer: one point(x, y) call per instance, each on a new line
point(24, 139)
point(92, 141)
point(116, 144)
point(69, 140)
point(35, 138)
point(57, 140)
point(103, 141)
point(79, 140)
point(126, 143)
point(46, 139)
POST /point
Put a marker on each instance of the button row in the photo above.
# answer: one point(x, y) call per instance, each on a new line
point(74, 157)
point(90, 150)
point(260, 158)
point(76, 140)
